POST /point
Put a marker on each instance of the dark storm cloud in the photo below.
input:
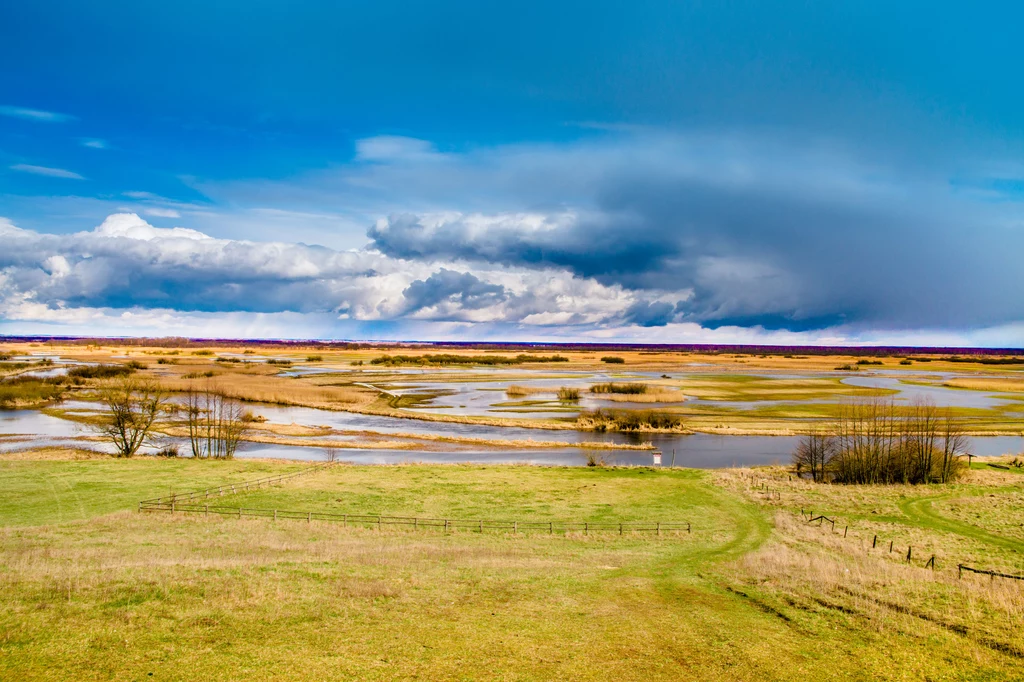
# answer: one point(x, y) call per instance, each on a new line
point(458, 287)
point(794, 237)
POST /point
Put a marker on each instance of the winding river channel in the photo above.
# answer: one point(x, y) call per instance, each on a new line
point(23, 429)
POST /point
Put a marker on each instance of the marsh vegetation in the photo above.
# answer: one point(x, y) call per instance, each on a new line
point(102, 371)
point(444, 359)
point(30, 391)
point(568, 394)
point(629, 420)
point(623, 389)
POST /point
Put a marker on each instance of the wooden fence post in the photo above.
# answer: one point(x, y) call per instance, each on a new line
point(658, 528)
point(890, 546)
point(515, 527)
point(874, 542)
point(909, 550)
point(620, 529)
point(586, 527)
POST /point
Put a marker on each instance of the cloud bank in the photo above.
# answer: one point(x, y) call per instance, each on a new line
point(126, 263)
point(639, 235)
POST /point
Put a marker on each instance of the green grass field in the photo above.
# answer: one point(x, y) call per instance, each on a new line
point(90, 589)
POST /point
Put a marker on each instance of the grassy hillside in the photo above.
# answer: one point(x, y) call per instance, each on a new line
point(91, 589)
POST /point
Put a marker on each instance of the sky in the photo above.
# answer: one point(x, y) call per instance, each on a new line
point(662, 172)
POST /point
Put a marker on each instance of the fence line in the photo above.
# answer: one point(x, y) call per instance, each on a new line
point(380, 520)
point(995, 574)
point(190, 503)
point(231, 488)
point(910, 552)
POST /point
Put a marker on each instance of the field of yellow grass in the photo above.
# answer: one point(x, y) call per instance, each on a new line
point(92, 589)
point(993, 384)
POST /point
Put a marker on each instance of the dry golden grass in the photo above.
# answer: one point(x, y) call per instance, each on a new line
point(651, 396)
point(994, 384)
point(518, 391)
point(976, 522)
point(806, 568)
point(634, 359)
point(51, 454)
point(261, 386)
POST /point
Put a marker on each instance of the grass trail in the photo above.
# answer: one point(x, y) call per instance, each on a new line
point(920, 512)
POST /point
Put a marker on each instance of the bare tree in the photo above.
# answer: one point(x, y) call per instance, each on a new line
point(132, 407)
point(814, 454)
point(215, 424)
point(954, 444)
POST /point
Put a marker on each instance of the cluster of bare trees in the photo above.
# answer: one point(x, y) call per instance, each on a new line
point(215, 424)
point(878, 441)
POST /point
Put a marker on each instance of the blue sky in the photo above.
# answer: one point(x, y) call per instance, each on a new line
point(665, 172)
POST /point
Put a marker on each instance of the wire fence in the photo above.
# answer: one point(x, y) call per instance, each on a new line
point(231, 488)
point(930, 563)
point(381, 520)
point(994, 574)
point(197, 502)
point(760, 486)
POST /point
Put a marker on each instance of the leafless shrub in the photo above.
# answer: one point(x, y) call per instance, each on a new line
point(813, 454)
point(878, 441)
point(215, 424)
